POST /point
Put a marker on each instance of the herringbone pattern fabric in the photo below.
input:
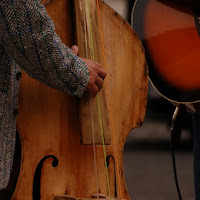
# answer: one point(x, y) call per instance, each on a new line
point(28, 41)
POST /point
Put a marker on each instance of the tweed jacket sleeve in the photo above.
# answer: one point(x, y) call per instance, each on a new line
point(29, 38)
point(28, 41)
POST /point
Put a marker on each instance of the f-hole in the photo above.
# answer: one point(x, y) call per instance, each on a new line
point(37, 176)
point(108, 163)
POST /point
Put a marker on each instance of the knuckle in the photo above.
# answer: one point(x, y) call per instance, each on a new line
point(101, 82)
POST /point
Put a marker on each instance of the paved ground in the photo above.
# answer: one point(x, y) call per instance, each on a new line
point(149, 173)
point(147, 157)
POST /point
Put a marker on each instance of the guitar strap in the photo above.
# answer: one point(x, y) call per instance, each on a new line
point(196, 148)
point(196, 152)
point(176, 127)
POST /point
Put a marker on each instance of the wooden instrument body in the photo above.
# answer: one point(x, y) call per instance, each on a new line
point(48, 120)
point(172, 46)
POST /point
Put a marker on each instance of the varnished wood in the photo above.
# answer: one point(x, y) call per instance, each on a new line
point(123, 59)
point(169, 31)
point(94, 119)
point(48, 120)
point(66, 197)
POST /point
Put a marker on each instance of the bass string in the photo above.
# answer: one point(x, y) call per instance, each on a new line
point(91, 112)
point(98, 100)
point(109, 98)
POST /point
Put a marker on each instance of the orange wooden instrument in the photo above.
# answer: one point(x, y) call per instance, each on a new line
point(55, 164)
point(171, 36)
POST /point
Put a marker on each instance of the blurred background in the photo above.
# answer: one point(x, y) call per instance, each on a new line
point(147, 153)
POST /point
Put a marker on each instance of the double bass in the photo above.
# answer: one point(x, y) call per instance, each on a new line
point(60, 158)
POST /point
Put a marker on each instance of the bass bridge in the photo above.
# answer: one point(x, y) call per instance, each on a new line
point(96, 196)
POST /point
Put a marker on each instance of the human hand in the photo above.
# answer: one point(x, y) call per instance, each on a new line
point(97, 74)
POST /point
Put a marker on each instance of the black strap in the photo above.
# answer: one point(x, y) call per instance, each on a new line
point(176, 128)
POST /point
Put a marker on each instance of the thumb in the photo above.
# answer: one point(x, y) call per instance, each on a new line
point(74, 48)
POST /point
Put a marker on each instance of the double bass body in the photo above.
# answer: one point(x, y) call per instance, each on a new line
point(54, 163)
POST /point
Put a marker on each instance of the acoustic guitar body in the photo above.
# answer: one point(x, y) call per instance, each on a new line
point(170, 35)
